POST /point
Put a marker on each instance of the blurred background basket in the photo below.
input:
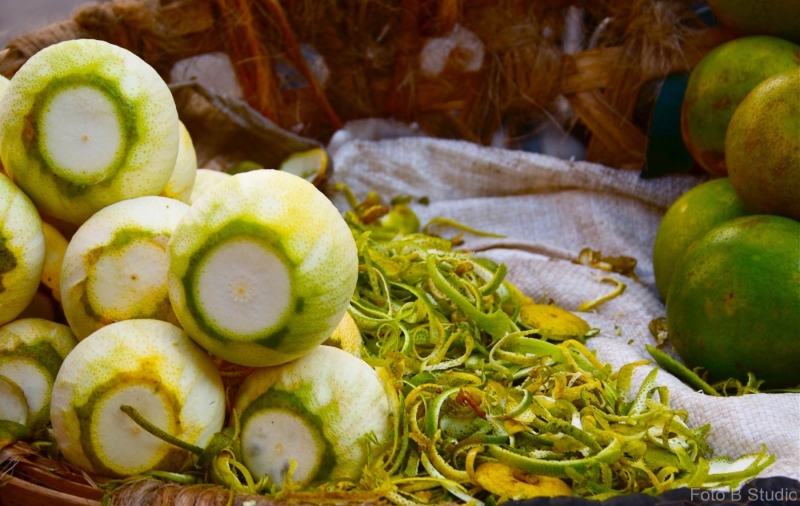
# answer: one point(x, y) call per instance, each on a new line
point(494, 72)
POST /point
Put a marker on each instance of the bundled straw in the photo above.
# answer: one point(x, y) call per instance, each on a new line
point(457, 68)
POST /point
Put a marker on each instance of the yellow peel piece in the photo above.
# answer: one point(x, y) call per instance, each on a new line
point(594, 304)
point(553, 322)
point(506, 481)
point(346, 336)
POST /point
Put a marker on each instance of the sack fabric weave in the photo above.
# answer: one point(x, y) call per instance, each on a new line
point(549, 210)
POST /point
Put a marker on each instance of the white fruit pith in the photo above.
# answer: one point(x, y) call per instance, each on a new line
point(86, 124)
point(181, 182)
point(205, 180)
point(55, 246)
point(89, 152)
point(115, 267)
point(309, 165)
point(249, 273)
point(21, 250)
point(13, 405)
point(118, 439)
point(31, 353)
point(318, 411)
point(262, 268)
point(151, 366)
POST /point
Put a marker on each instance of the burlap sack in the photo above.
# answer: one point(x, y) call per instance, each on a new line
point(549, 209)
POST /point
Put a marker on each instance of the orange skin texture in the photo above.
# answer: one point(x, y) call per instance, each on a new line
point(719, 84)
point(734, 301)
point(763, 147)
point(779, 18)
point(688, 219)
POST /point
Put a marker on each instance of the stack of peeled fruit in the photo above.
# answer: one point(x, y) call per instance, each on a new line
point(727, 253)
point(154, 277)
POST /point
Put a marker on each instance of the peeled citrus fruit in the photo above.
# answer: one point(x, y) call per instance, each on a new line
point(318, 411)
point(21, 250)
point(762, 147)
point(689, 218)
point(718, 85)
point(734, 301)
point(262, 268)
point(151, 366)
point(86, 124)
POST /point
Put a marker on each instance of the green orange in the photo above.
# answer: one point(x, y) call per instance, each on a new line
point(762, 147)
point(734, 302)
point(689, 218)
point(718, 85)
point(780, 18)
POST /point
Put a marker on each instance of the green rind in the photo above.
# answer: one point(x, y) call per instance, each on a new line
point(93, 319)
point(734, 303)
point(148, 117)
point(689, 218)
point(33, 139)
point(173, 457)
point(271, 338)
point(680, 371)
point(718, 85)
point(557, 469)
point(302, 226)
point(21, 250)
point(8, 261)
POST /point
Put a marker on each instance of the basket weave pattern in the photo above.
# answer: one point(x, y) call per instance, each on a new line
point(372, 51)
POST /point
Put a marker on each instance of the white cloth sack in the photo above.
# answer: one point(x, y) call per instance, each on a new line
point(549, 209)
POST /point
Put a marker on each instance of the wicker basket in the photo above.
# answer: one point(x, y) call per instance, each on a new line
point(372, 49)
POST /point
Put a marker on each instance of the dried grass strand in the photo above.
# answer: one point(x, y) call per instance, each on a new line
point(371, 49)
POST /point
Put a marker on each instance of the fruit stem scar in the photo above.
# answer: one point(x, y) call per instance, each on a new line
point(160, 434)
